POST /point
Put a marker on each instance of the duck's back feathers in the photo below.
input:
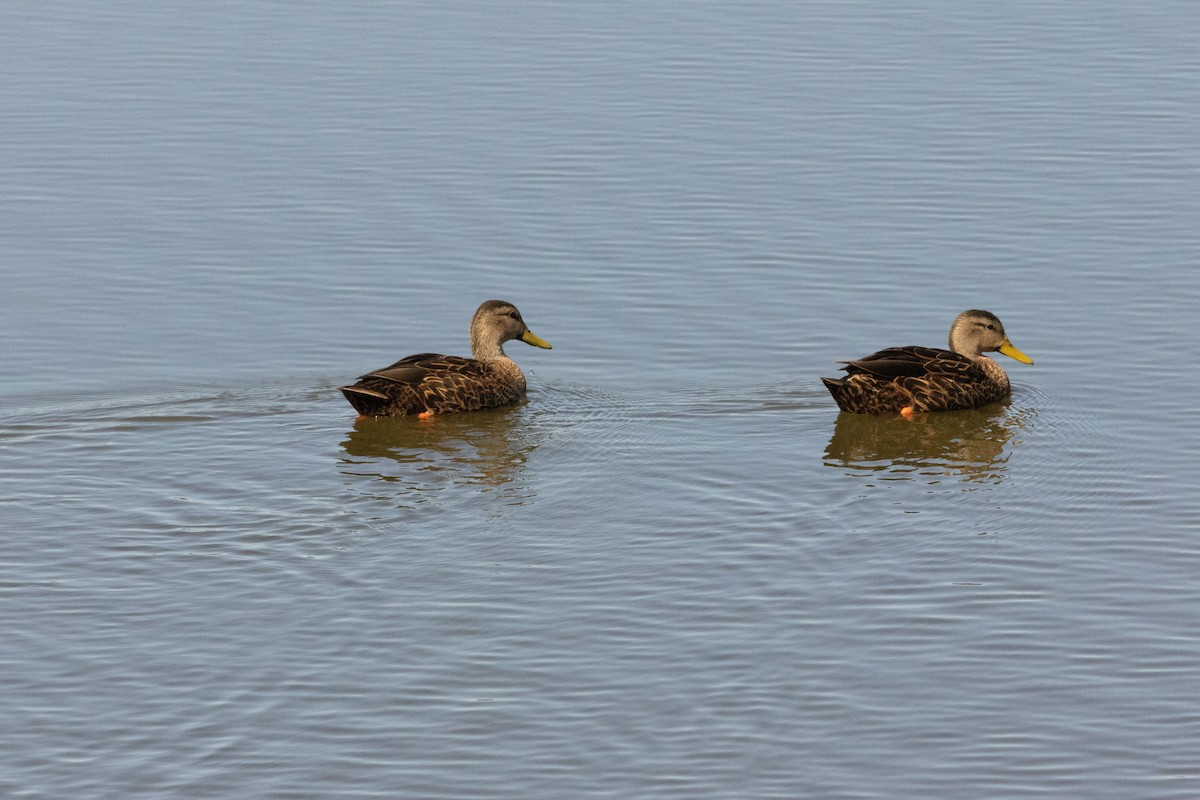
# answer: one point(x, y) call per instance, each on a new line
point(436, 383)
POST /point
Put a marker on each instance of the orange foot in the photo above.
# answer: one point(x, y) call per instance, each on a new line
point(907, 412)
point(425, 415)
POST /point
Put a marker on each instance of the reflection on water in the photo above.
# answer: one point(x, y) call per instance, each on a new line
point(972, 445)
point(487, 449)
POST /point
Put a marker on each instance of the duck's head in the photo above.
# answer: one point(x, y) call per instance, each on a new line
point(975, 332)
point(497, 322)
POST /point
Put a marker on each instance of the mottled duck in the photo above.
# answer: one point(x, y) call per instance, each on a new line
point(908, 379)
point(429, 383)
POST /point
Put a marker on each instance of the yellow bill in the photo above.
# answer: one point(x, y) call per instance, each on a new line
point(1013, 352)
point(528, 337)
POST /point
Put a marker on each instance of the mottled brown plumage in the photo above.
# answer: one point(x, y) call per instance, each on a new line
point(929, 378)
point(437, 384)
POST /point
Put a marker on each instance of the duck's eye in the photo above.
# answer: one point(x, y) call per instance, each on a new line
point(991, 327)
point(514, 315)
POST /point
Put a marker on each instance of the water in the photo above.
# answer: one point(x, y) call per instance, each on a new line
point(676, 571)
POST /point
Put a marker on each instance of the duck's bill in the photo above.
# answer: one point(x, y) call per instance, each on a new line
point(1013, 352)
point(528, 337)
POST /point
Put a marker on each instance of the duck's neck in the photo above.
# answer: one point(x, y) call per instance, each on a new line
point(967, 350)
point(486, 349)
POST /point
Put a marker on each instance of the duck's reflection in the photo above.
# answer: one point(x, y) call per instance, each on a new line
point(485, 449)
point(970, 445)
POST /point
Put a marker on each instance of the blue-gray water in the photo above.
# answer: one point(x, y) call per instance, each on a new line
point(676, 572)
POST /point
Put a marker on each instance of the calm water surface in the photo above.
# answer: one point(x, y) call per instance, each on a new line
point(677, 571)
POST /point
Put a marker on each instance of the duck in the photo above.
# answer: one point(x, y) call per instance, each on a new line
point(426, 384)
point(905, 380)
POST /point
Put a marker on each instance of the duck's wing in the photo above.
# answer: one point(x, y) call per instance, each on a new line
point(416, 369)
point(916, 362)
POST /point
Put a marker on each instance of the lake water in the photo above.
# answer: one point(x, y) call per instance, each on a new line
point(676, 572)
